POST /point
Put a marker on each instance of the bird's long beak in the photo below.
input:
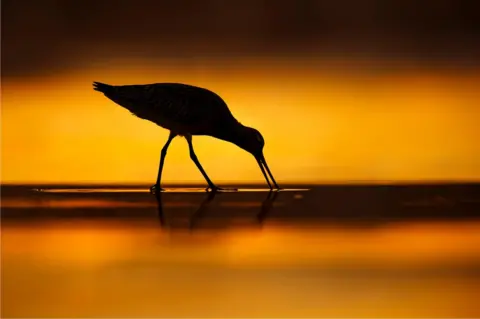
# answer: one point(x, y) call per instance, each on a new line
point(263, 166)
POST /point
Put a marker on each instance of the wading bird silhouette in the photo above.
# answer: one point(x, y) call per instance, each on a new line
point(187, 110)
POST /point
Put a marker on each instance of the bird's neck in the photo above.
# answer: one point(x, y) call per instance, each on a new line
point(232, 133)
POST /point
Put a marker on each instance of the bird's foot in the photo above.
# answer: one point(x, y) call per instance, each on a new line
point(212, 188)
point(155, 189)
point(220, 189)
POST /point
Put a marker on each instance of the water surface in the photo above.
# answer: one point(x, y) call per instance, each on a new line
point(322, 251)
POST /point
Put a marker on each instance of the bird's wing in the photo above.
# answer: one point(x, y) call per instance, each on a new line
point(184, 104)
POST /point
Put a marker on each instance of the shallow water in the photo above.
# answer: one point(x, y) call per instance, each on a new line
point(332, 251)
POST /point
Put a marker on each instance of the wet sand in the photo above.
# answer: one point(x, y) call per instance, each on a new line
point(321, 251)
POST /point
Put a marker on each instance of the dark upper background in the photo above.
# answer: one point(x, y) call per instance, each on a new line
point(44, 35)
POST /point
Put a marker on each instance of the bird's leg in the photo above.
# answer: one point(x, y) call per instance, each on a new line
point(163, 154)
point(194, 158)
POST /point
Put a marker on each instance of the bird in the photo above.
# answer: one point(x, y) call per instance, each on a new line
point(187, 110)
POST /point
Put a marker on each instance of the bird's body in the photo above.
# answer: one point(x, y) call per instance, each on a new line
point(180, 108)
point(185, 110)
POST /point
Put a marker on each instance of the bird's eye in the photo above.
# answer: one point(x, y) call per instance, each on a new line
point(259, 137)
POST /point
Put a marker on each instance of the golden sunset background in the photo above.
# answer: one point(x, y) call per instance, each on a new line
point(342, 92)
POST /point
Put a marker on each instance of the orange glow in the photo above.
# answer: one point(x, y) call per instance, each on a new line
point(319, 125)
point(427, 244)
point(425, 264)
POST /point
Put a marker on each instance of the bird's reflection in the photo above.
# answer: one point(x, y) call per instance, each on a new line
point(200, 212)
point(265, 208)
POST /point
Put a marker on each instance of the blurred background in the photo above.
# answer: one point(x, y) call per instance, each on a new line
point(342, 91)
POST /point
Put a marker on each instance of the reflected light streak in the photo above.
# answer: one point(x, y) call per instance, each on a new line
point(165, 190)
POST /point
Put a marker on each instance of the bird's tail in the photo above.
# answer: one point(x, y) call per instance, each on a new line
point(102, 87)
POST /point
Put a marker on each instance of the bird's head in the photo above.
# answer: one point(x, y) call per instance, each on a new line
point(251, 141)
